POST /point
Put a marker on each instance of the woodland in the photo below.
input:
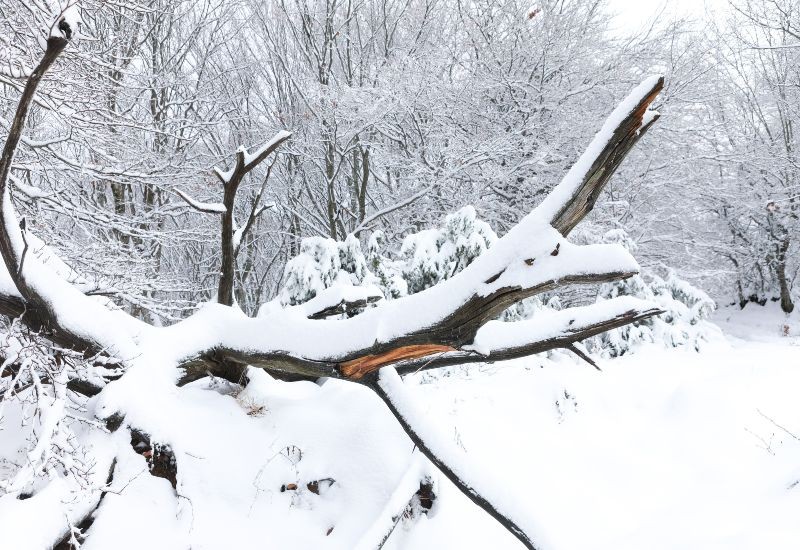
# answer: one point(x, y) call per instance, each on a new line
point(397, 274)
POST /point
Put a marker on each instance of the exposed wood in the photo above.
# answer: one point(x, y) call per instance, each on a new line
point(358, 368)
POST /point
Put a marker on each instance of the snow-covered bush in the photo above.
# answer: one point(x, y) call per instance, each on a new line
point(311, 271)
point(427, 258)
point(323, 263)
point(388, 274)
point(684, 322)
point(352, 260)
point(434, 255)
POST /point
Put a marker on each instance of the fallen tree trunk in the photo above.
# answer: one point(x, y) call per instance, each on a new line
point(448, 324)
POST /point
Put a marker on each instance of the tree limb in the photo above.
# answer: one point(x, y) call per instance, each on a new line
point(546, 331)
point(245, 162)
point(588, 176)
point(389, 387)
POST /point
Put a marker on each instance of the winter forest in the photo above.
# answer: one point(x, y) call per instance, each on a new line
point(399, 274)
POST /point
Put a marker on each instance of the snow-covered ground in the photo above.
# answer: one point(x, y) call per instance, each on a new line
point(664, 449)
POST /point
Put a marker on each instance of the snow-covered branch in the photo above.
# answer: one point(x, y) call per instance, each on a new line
point(547, 330)
point(577, 193)
point(200, 206)
point(246, 161)
point(452, 461)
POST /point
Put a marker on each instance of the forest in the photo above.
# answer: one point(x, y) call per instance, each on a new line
point(398, 274)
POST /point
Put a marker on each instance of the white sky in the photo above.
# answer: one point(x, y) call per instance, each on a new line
point(635, 14)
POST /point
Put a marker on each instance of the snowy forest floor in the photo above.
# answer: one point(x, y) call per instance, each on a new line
point(664, 449)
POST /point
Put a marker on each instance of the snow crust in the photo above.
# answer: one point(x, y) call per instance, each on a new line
point(235, 451)
point(33, 523)
point(672, 443)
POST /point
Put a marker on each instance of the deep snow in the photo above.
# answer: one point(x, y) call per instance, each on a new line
point(664, 449)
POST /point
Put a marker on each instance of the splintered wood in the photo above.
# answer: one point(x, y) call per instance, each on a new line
point(357, 368)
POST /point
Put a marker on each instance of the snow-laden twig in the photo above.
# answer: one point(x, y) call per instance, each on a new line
point(205, 207)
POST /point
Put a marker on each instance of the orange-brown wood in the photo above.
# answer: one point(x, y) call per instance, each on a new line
point(357, 368)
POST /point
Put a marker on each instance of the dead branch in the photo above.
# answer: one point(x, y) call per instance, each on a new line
point(386, 383)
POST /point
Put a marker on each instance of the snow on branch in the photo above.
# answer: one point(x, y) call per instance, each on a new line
point(245, 161)
point(205, 207)
point(547, 330)
point(576, 195)
point(487, 494)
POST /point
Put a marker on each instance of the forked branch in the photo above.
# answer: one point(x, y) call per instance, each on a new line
point(231, 179)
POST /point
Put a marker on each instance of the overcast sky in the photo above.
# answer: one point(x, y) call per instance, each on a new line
point(634, 14)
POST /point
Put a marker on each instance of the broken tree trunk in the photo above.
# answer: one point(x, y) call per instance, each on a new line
point(448, 324)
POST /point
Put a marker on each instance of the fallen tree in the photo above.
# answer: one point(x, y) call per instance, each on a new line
point(448, 324)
